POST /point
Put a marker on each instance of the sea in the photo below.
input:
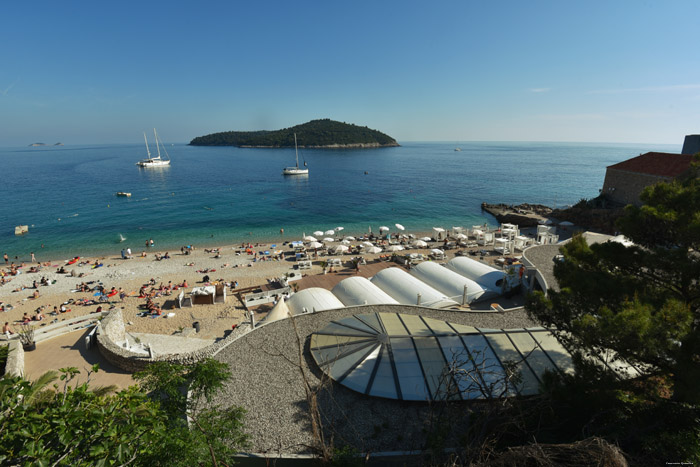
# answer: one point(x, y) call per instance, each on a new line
point(226, 195)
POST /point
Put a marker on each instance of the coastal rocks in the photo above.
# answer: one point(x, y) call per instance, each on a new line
point(523, 215)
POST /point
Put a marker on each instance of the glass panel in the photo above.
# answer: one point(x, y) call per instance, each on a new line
point(439, 327)
point(465, 374)
point(392, 324)
point(410, 375)
point(535, 357)
point(337, 328)
point(508, 353)
point(355, 323)
point(462, 329)
point(338, 368)
point(372, 320)
point(415, 325)
point(435, 369)
point(556, 351)
point(487, 364)
point(359, 377)
point(384, 384)
point(323, 340)
point(326, 355)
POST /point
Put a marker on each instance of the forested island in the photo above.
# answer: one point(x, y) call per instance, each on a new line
point(324, 133)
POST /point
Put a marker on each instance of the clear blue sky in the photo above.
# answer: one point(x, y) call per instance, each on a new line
point(589, 71)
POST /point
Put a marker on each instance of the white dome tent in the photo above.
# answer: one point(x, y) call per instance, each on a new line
point(449, 282)
point(405, 288)
point(313, 299)
point(487, 277)
point(359, 290)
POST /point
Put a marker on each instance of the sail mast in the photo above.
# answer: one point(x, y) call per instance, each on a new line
point(157, 146)
point(296, 151)
point(148, 151)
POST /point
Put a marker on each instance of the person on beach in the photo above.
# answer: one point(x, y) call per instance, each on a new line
point(33, 258)
point(26, 319)
point(39, 315)
point(6, 258)
point(6, 329)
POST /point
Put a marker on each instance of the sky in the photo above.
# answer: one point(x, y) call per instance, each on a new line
point(468, 70)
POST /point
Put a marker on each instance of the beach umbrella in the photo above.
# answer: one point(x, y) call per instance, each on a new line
point(345, 242)
point(419, 244)
point(309, 238)
point(339, 249)
point(329, 239)
point(566, 223)
point(438, 229)
point(545, 221)
point(400, 227)
point(457, 229)
point(461, 236)
point(426, 239)
point(318, 233)
point(373, 250)
point(394, 248)
point(315, 245)
point(329, 232)
point(349, 238)
point(366, 244)
point(339, 228)
point(383, 228)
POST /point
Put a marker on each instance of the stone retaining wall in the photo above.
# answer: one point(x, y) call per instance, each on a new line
point(15, 359)
point(111, 330)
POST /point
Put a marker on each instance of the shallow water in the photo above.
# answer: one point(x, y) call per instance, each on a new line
point(218, 195)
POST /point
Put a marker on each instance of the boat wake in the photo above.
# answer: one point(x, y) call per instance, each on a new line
point(122, 238)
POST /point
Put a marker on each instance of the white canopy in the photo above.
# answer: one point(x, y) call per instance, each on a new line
point(419, 244)
point(278, 312)
point(461, 236)
point(438, 229)
point(426, 239)
point(394, 248)
point(309, 238)
point(315, 245)
point(318, 233)
point(373, 250)
point(487, 277)
point(339, 249)
point(404, 288)
point(349, 238)
point(449, 282)
point(437, 251)
point(313, 299)
point(329, 232)
point(359, 290)
point(400, 227)
point(383, 228)
point(366, 244)
point(329, 239)
point(339, 228)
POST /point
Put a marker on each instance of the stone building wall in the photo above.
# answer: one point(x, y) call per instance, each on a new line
point(624, 188)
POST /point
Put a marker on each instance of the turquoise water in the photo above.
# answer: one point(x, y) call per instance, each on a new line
point(221, 195)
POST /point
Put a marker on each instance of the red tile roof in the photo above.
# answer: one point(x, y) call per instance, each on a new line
point(662, 164)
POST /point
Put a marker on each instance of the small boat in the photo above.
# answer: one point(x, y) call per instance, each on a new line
point(296, 170)
point(124, 194)
point(458, 149)
point(151, 161)
point(21, 229)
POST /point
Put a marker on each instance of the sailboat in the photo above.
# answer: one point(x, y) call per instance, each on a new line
point(157, 161)
point(296, 170)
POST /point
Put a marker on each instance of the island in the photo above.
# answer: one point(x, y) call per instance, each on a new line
point(323, 133)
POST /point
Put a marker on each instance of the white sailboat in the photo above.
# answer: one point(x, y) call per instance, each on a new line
point(296, 170)
point(157, 161)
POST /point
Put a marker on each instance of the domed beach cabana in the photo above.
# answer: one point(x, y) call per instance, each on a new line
point(450, 282)
point(404, 288)
point(360, 291)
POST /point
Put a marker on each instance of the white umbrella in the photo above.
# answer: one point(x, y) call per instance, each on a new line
point(309, 238)
point(437, 251)
point(394, 248)
point(315, 245)
point(349, 238)
point(457, 229)
point(566, 223)
point(400, 227)
point(419, 244)
point(545, 221)
point(339, 228)
point(383, 228)
point(373, 250)
point(329, 232)
point(345, 242)
point(329, 239)
point(426, 239)
point(438, 229)
point(318, 233)
point(338, 249)
point(461, 236)
point(366, 244)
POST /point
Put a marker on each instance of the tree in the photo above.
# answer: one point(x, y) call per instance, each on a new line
point(642, 301)
point(214, 433)
point(44, 425)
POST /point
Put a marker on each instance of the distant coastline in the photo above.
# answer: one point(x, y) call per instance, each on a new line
point(316, 134)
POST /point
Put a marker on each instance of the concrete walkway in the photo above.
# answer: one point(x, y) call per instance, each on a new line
point(69, 350)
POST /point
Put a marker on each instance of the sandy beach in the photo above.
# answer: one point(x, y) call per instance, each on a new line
point(234, 264)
